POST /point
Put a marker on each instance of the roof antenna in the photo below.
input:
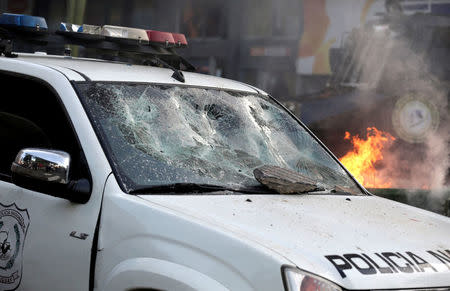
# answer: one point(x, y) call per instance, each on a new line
point(6, 44)
point(67, 51)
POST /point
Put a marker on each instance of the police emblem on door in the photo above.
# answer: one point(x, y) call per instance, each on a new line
point(14, 224)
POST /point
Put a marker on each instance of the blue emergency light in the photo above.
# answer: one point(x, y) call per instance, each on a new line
point(21, 21)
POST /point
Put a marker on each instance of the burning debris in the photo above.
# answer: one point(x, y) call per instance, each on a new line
point(381, 161)
point(398, 88)
point(366, 154)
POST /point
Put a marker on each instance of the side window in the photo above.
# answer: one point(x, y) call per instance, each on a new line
point(32, 116)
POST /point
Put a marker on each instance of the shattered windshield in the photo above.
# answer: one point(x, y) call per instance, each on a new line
point(159, 135)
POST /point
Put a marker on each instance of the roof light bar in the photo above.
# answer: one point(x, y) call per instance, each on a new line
point(128, 33)
point(69, 27)
point(23, 22)
point(19, 30)
point(91, 29)
point(180, 39)
point(161, 37)
point(84, 31)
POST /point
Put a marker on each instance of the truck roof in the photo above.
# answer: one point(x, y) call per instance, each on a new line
point(83, 69)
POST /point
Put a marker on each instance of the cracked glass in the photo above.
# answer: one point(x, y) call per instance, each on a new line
point(159, 135)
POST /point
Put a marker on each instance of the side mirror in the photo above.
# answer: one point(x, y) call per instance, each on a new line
point(47, 171)
point(43, 165)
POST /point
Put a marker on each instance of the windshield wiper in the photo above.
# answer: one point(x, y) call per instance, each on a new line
point(195, 188)
point(336, 190)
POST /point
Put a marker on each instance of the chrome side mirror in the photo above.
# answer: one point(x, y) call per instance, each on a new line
point(43, 165)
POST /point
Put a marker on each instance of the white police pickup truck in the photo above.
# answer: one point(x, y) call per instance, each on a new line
point(121, 177)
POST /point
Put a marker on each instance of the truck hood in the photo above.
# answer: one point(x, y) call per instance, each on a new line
point(358, 242)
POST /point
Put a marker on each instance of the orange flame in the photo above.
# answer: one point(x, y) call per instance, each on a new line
point(362, 159)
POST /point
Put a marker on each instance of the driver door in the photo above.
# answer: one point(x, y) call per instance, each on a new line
point(45, 242)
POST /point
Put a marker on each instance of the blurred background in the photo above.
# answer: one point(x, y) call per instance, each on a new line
point(371, 78)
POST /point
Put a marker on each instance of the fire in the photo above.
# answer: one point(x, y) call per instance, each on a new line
point(364, 156)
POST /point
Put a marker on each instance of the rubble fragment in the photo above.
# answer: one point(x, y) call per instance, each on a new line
point(284, 181)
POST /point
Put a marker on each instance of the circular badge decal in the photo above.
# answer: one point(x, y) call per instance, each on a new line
point(14, 223)
point(414, 118)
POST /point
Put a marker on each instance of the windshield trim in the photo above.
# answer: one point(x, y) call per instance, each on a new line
point(101, 136)
point(364, 190)
point(251, 91)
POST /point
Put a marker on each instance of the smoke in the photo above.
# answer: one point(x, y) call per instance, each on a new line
point(394, 60)
point(411, 168)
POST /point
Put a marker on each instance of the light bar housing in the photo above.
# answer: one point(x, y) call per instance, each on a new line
point(69, 27)
point(23, 22)
point(91, 29)
point(125, 33)
point(180, 39)
point(85, 31)
point(161, 38)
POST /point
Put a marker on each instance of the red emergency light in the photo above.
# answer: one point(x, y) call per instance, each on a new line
point(161, 37)
point(180, 39)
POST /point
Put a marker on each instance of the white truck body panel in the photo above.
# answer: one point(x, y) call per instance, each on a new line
point(210, 242)
point(149, 230)
point(97, 70)
point(306, 228)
